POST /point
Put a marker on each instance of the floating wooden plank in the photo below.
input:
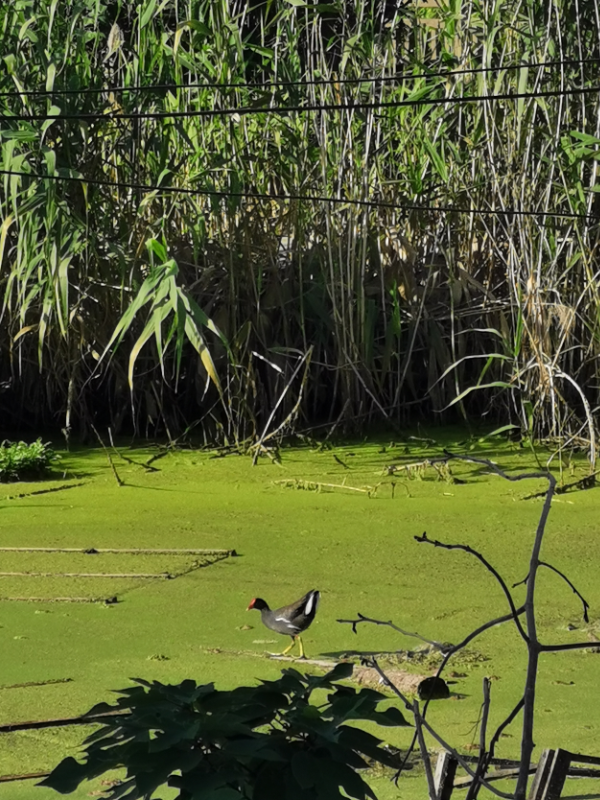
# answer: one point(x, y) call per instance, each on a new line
point(558, 774)
point(445, 771)
point(129, 551)
point(162, 575)
point(109, 601)
point(512, 771)
point(550, 775)
point(497, 775)
point(584, 759)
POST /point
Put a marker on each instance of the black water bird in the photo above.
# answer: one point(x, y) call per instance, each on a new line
point(289, 620)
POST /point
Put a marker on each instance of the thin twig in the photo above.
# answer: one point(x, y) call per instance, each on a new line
point(147, 467)
point(555, 648)
point(496, 737)
point(480, 770)
point(462, 761)
point(584, 602)
point(467, 549)
point(109, 457)
point(306, 357)
point(390, 624)
point(423, 749)
point(447, 655)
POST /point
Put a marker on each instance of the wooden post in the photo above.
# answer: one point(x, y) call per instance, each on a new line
point(550, 775)
point(445, 771)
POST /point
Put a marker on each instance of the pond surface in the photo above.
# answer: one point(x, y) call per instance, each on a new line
point(342, 520)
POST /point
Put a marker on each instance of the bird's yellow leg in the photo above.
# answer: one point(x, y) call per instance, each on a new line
point(287, 649)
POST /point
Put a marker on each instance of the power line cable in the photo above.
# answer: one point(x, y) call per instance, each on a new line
point(282, 110)
point(310, 82)
point(306, 198)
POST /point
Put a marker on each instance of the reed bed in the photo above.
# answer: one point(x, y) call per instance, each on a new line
point(249, 315)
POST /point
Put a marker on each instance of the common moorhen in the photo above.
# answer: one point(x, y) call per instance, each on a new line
point(289, 620)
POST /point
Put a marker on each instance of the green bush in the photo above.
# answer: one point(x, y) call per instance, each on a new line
point(20, 461)
point(258, 743)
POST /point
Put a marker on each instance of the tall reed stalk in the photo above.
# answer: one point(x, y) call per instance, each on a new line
point(157, 310)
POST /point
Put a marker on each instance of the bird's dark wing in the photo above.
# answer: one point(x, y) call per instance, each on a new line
point(288, 624)
point(303, 608)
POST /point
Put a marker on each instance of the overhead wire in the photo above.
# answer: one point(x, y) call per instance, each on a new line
point(312, 107)
point(301, 198)
point(298, 83)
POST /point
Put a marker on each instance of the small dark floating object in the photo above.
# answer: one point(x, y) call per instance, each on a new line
point(109, 601)
point(433, 689)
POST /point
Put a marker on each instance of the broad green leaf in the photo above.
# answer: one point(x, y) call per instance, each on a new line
point(53, 114)
point(305, 769)
point(438, 161)
point(50, 75)
point(147, 13)
point(493, 384)
point(498, 431)
point(586, 138)
point(195, 337)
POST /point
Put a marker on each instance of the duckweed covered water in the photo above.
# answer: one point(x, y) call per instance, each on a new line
point(295, 526)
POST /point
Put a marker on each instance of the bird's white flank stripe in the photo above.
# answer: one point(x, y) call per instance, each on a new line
point(287, 622)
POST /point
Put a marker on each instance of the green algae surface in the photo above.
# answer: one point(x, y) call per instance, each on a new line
point(334, 519)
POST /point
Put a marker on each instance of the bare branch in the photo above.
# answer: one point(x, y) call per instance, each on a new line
point(584, 602)
point(423, 749)
point(485, 627)
point(372, 662)
point(555, 648)
point(496, 737)
point(462, 761)
point(480, 770)
point(467, 549)
point(496, 469)
point(390, 624)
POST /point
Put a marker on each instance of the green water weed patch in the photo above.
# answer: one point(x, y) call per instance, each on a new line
point(20, 461)
point(359, 550)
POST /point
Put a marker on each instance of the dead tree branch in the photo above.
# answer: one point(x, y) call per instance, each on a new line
point(467, 549)
point(390, 624)
point(480, 770)
point(584, 602)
